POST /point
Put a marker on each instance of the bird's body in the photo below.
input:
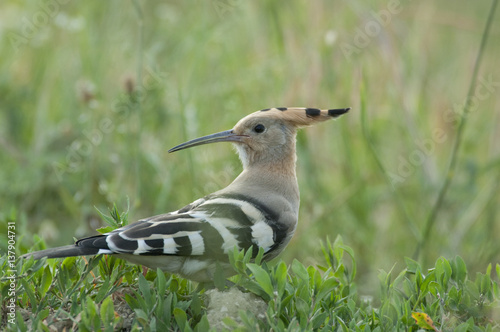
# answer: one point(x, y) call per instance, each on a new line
point(259, 209)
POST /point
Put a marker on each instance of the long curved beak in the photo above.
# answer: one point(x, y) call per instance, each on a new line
point(223, 136)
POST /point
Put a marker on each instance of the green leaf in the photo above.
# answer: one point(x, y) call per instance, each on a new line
point(174, 285)
point(262, 278)
point(46, 281)
point(353, 267)
point(43, 314)
point(280, 275)
point(488, 270)
point(103, 291)
point(29, 291)
point(114, 220)
point(485, 284)
point(299, 270)
point(132, 302)
point(21, 325)
point(464, 327)
point(107, 311)
point(443, 272)
point(419, 278)
point(167, 308)
point(473, 289)
point(195, 304)
point(453, 298)
point(69, 264)
point(129, 277)
point(92, 316)
point(314, 278)
point(460, 271)
point(327, 288)
point(319, 320)
point(32, 266)
point(233, 257)
point(161, 282)
point(340, 271)
point(328, 253)
point(435, 289)
point(302, 307)
point(338, 251)
point(249, 320)
point(180, 318)
point(447, 268)
point(286, 300)
point(424, 287)
point(145, 290)
point(411, 265)
point(342, 324)
point(104, 230)
point(203, 325)
point(141, 316)
point(230, 323)
point(304, 292)
point(219, 277)
point(260, 255)
point(248, 255)
point(254, 287)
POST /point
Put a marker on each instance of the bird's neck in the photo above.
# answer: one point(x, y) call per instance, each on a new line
point(282, 165)
point(265, 177)
point(278, 161)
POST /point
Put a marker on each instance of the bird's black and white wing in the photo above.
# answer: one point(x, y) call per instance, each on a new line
point(210, 227)
point(188, 241)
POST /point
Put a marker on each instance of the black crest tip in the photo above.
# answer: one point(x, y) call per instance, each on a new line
point(338, 111)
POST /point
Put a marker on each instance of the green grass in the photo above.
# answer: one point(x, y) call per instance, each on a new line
point(104, 293)
point(94, 96)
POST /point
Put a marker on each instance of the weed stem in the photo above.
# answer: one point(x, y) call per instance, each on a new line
point(450, 173)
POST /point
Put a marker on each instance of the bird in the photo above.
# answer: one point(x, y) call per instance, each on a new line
point(259, 209)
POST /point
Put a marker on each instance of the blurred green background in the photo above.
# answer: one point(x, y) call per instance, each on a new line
point(93, 94)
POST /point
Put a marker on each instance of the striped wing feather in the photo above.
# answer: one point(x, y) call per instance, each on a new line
point(210, 227)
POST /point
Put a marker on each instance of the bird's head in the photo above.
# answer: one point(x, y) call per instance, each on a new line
point(267, 135)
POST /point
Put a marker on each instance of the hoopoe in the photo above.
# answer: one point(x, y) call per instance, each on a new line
point(259, 209)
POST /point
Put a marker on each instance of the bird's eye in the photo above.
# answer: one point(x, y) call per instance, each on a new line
point(259, 128)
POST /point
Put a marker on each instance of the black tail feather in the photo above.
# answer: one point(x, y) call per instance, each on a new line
point(60, 252)
point(66, 251)
point(84, 247)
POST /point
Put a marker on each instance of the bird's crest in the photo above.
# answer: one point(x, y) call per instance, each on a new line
point(300, 116)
